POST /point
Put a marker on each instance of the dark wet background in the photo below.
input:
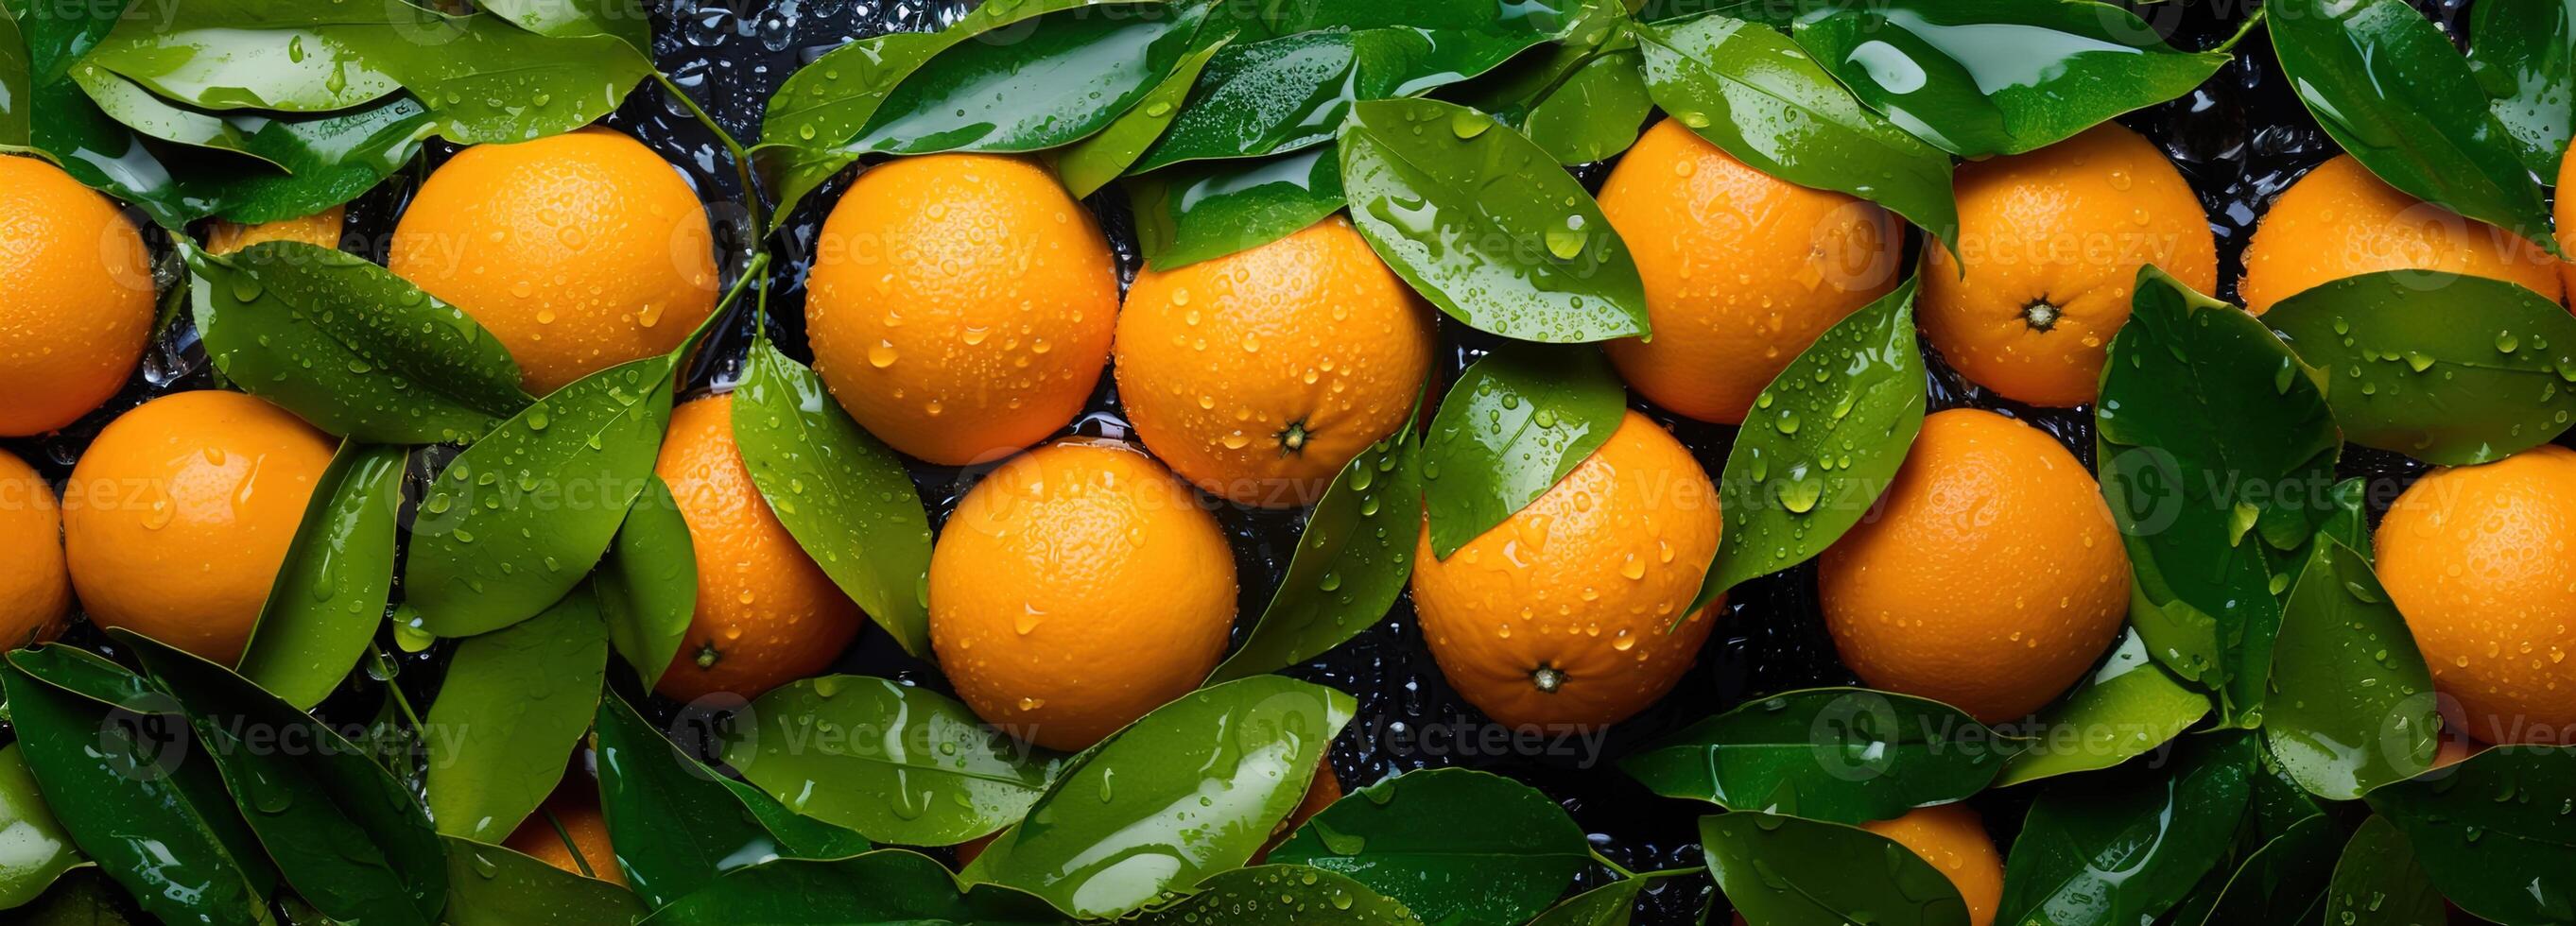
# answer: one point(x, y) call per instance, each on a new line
point(2239, 139)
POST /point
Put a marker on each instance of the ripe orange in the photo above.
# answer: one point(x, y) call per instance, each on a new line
point(2339, 221)
point(1742, 270)
point(76, 301)
point(1953, 838)
point(1557, 616)
point(1990, 577)
point(35, 586)
point(767, 615)
point(579, 814)
point(1258, 375)
point(2052, 240)
point(578, 251)
point(321, 229)
point(1077, 587)
point(2476, 557)
point(179, 514)
point(961, 305)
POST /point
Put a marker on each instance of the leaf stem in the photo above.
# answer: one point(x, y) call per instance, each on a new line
point(2229, 46)
point(757, 221)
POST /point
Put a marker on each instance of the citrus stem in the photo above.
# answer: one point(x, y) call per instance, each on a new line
point(2241, 30)
point(566, 836)
point(759, 222)
point(395, 692)
point(1624, 874)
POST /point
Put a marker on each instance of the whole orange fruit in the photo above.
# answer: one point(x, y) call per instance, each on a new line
point(1742, 270)
point(76, 300)
point(2340, 221)
point(2052, 241)
point(1258, 375)
point(2477, 559)
point(579, 815)
point(179, 515)
point(961, 305)
point(1076, 587)
point(35, 586)
point(1990, 578)
point(578, 251)
point(1953, 838)
point(767, 615)
point(1557, 616)
point(321, 229)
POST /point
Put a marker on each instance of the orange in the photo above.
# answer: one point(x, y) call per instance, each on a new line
point(961, 305)
point(1953, 838)
point(321, 230)
point(578, 251)
point(1076, 587)
point(767, 615)
point(179, 514)
point(76, 301)
point(1321, 792)
point(2052, 240)
point(1742, 270)
point(2477, 559)
point(1258, 375)
point(1556, 617)
point(35, 586)
point(581, 820)
point(1990, 576)
point(2340, 221)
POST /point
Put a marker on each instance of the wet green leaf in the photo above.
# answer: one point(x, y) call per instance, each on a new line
point(799, 836)
point(895, 762)
point(2446, 368)
point(2125, 845)
point(298, 164)
point(1516, 422)
point(512, 707)
point(347, 345)
point(2495, 832)
point(2524, 55)
point(1819, 445)
point(1455, 845)
point(2378, 882)
point(17, 83)
point(2129, 705)
point(1069, 75)
point(2392, 90)
point(488, 885)
point(886, 886)
point(519, 518)
point(840, 492)
point(678, 825)
point(648, 583)
point(1197, 212)
point(1476, 217)
point(39, 850)
point(1279, 895)
point(1753, 93)
point(623, 19)
point(2216, 446)
point(2352, 704)
point(1126, 821)
point(329, 596)
point(1612, 904)
point(1351, 563)
point(1089, 164)
point(130, 104)
point(1596, 112)
point(1841, 755)
point(1785, 871)
point(2284, 881)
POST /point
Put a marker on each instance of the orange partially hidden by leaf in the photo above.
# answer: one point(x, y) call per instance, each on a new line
point(2476, 558)
point(1953, 838)
point(1320, 793)
point(579, 815)
point(35, 586)
point(321, 229)
point(76, 298)
point(2338, 221)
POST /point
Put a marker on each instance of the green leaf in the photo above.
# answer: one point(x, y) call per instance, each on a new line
point(622, 19)
point(1819, 445)
point(488, 885)
point(1089, 164)
point(1455, 845)
point(799, 836)
point(133, 789)
point(824, 104)
point(1517, 421)
point(1785, 871)
point(1279, 895)
point(841, 493)
point(2392, 90)
point(1612, 904)
point(1351, 562)
point(1201, 211)
point(1841, 755)
point(886, 886)
point(325, 160)
point(17, 86)
point(130, 104)
point(2524, 54)
point(2281, 882)
point(2124, 846)
point(519, 518)
point(329, 596)
point(2214, 441)
point(2377, 882)
point(1474, 218)
point(1067, 76)
point(2493, 832)
point(1754, 94)
point(1126, 822)
point(346, 834)
point(2446, 368)
point(2353, 707)
point(512, 707)
point(677, 824)
point(39, 850)
point(2129, 705)
point(1596, 112)
point(898, 763)
point(648, 583)
point(345, 344)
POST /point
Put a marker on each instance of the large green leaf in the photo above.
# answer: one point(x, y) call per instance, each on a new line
point(2377, 882)
point(1197, 212)
point(2123, 847)
point(2442, 367)
point(39, 850)
point(892, 761)
point(1785, 871)
point(1192, 788)
point(1454, 845)
point(2352, 705)
point(677, 825)
point(648, 583)
point(886, 886)
point(1842, 755)
point(2130, 704)
point(1476, 217)
point(510, 710)
point(2524, 55)
point(1087, 165)
point(329, 596)
point(1351, 562)
point(2283, 881)
point(1516, 422)
point(2495, 832)
point(1612, 904)
point(1279, 895)
point(488, 885)
point(1070, 74)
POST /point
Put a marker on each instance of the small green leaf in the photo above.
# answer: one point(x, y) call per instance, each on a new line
point(622, 19)
point(1785, 871)
point(329, 596)
point(2446, 368)
point(1070, 74)
point(39, 850)
point(2524, 55)
point(128, 103)
point(1473, 215)
point(1202, 211)
point(1279, 895)
point(1351, 563)
point(1612, 904)
point(2353, 704)
point(1841, 755)
point(1516, 422)
point(511, 708)
point(2494, 832)
point(1454, 845)
point(1089, 164)
point(2378, 882)
point(17, 85)
point(886, 886)
point(1596, 112)
point(2124, 846)
point(805, 130)
point(488, 885)
point(678, 825)
point(2129, 705)
point(895, 762)
point(648, 583)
